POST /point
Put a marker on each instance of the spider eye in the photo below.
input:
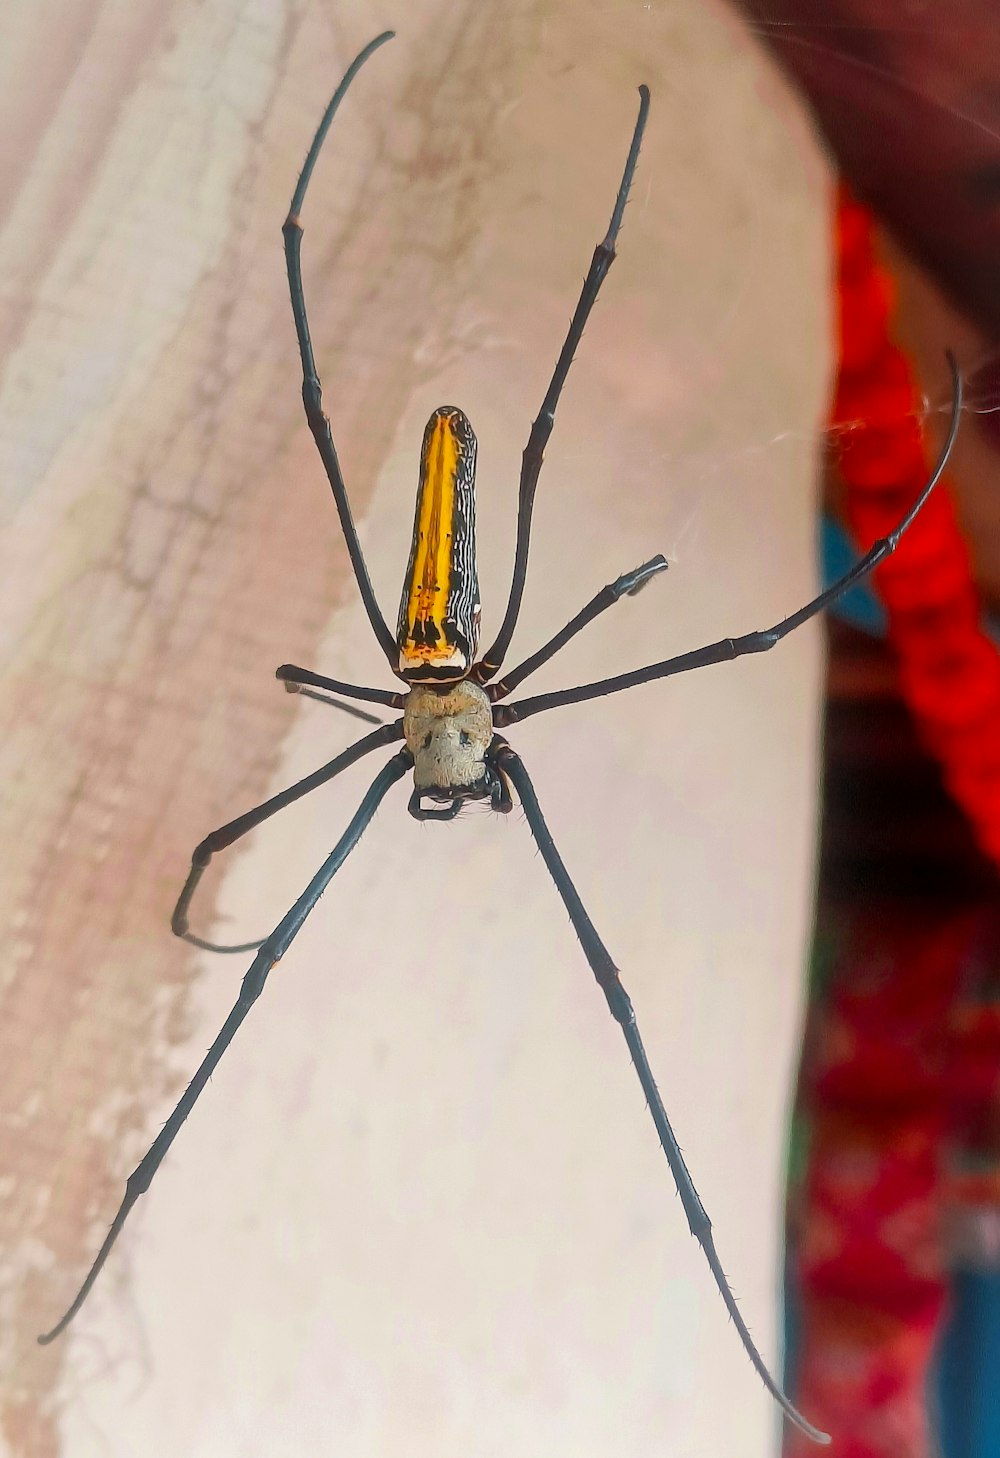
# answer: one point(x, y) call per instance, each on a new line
point(427, 740)
point(464, 739)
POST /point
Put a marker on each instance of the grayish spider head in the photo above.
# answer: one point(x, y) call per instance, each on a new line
point(448, 731)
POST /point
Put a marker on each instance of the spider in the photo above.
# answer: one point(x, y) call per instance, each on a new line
point(454, 705)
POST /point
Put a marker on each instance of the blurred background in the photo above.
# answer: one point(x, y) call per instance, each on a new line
point(421, 1207)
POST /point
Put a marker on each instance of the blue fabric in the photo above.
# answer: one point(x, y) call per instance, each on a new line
point(859, 606)
point(965, 1390)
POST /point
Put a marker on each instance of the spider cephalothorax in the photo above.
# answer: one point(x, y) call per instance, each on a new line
point(454, 705)
point(449, 732)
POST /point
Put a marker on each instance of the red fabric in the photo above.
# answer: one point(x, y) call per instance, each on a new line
point(949, 670)
point(902, 1069)
point(903, 1091)
point(870, 1252)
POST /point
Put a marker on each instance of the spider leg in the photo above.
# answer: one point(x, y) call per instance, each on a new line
point(759, 642)
point(626, 586)
point(417, 810)
point(622, 1011)
point(226, 835)
point(355, 713)
point(541, 429)
point(291, 677)
point(270, 952)
point(312, 393)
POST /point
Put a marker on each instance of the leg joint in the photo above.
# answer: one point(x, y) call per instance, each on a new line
point(541, 429)
point(619, 1002)
point(253, 983)
point(697, 1216)
point(139, 1180)
point(312, 399)
point(758, 642)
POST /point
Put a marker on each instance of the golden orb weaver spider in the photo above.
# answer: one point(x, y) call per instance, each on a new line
point(452, 706)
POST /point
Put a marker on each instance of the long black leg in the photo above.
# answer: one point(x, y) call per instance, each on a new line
point(759, 642)
point(271, 951)
point(289, 674)
point(626, 586)
point(312, 394)
point(352, 709)
point(622, 1011)
point(243, 824)
point(541, 429)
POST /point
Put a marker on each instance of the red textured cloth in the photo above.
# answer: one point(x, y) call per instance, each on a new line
point(870, 1256)
point(949, 669)
point(901, 1074)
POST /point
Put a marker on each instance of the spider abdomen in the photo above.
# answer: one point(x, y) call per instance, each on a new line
point(448, 731)
point(439, 612)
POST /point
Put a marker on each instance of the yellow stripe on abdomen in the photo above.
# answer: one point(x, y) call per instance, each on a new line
point(439, 611)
